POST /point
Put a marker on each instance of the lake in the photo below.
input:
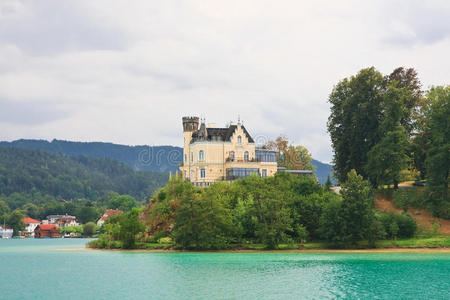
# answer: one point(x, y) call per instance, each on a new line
point(53, 269)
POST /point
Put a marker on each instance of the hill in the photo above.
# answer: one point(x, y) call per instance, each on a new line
point(33, 171)
point(143, 158)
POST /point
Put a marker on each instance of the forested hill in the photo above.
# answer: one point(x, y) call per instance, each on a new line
point(144, 158)
point(34, 171)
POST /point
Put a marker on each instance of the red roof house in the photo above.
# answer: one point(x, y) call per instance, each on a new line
point(30, 221)
point(46, 230)
point(107, 214)
point(31, 225)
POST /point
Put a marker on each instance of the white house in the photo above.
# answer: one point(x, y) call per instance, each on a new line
point(31, 225)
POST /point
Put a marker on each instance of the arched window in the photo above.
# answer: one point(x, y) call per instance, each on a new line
point(246, 156)
point(239, 139)
point(232, 155)
point(201, 155)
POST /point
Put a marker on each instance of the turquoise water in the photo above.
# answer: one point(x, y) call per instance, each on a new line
point(42, 269)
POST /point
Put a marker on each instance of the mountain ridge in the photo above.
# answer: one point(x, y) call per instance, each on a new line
point(140, 157)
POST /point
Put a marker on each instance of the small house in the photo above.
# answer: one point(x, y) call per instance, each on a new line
point(46, 230)
point(107, 214)
point(31, 225)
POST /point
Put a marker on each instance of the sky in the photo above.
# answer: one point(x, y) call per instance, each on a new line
point(127, 71)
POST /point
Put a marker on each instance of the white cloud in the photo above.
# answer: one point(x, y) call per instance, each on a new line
point(126, 72)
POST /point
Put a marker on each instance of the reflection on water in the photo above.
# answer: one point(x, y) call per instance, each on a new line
point(38, 269)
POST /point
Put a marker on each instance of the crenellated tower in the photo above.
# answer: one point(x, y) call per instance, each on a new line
point(190, 125)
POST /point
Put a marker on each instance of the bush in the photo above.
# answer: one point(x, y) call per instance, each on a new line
point(395, 225)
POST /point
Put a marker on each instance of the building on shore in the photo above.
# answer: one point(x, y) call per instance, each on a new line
point(6, 232)
point(106, 214)
point(30, 226)
point(212, 154)
point(61, 220)
point(46, 230)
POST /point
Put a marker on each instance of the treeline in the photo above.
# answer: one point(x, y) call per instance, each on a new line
point(31, 171)
point(269, 211)
point(386, 127)
point(143, 158)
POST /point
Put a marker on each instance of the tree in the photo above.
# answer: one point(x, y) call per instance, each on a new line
point(302, 234)
point(87, 213)
point(344, 223)
point(365, 109)
point(4, 209)
point(89, 229)
point(123, 202)
point(387, 158)
point(438, 154)
point(328, 183)
point(204, 221)
point(130, 226)
point(291, 157)
point(354, 121)
point(393, 228)
point(15, 220)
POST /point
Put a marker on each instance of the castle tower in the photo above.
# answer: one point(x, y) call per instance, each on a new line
point(190, 125)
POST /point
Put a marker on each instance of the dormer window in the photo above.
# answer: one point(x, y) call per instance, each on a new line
point(239, 139)
point(201, 155)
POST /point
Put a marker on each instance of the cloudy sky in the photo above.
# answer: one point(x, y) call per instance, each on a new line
point(127, 71)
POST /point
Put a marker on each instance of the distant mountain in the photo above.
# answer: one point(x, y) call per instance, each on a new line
point(34, 171)
point(144, 158)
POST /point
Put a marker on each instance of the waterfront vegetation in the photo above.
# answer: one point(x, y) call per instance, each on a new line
point(386, 127)
point(280, 212)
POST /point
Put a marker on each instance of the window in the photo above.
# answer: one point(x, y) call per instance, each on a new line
point(185, 157)
point(185, 174)
point(234, 173)
point(201, 155)
point(239, 139)
point(246, 156)
point(192, 156)
point(202, 173)
point(264, 173)
point(232, 155)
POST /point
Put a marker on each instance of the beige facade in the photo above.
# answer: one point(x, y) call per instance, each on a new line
point(222, 154)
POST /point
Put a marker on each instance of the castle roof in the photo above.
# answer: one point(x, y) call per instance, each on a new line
point(218, 134)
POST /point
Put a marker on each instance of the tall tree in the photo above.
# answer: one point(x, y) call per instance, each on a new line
point(389, 156)
point(290, 156)
point(438, 154)
point(354, 120)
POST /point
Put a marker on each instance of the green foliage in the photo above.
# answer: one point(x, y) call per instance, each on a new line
point(203, 220)
point(438, 154)
point(270, 210)
point(388, 158)
point(400, 199)
point(328, 184)
point(130, 227)
point(89, 229)
point(371, 120)
point(15, 220)
point(123, 202)
point(27, 172)
point(345, 222)
point(395, 225)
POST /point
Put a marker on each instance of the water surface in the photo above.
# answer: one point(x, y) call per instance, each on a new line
point(42, 269)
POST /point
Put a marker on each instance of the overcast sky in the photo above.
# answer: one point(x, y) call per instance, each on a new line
point(127, 71)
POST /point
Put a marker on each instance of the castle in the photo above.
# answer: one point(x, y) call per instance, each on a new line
point(213, 154)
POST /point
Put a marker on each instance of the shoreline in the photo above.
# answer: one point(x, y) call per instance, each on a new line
point(376, 250)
